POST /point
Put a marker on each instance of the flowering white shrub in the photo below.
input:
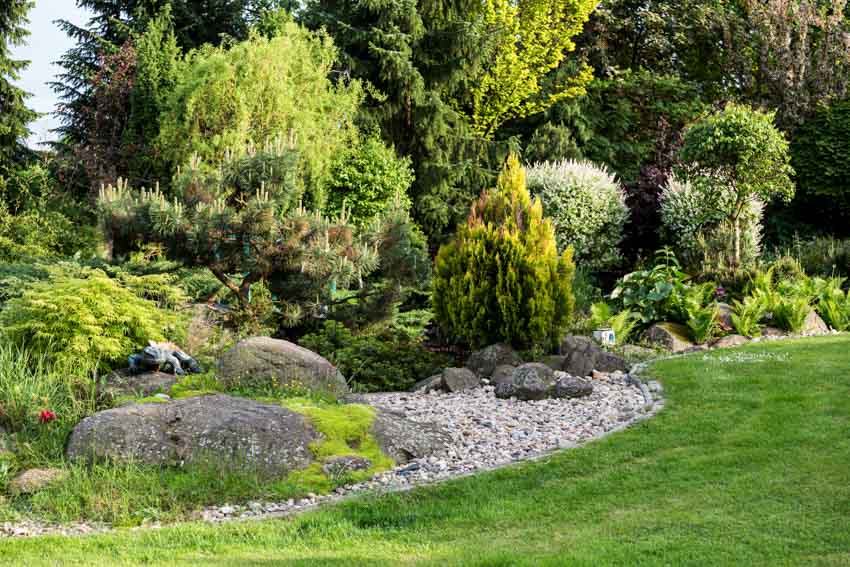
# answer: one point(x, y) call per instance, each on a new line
point(586, 205)
point(693, 222)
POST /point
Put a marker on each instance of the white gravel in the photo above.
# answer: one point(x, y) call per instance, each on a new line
point(487, 432)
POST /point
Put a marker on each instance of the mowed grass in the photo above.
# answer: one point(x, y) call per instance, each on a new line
point(749, 464)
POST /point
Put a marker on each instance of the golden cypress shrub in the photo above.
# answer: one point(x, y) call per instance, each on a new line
point(501, 279)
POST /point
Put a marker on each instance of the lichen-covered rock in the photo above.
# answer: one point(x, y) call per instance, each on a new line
point(567, 386)
point(222, 430)
point(730, 341)
point(531, 381)
point(123, 383)
point(430, 384)
point(485, 361)
point(404, 440)
point(814, 324)
point(459, 379)
point(583, 356)
point(670, 336)
point(32, 480)
point(254, 361)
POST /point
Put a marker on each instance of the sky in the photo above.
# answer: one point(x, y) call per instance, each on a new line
point(44, 46)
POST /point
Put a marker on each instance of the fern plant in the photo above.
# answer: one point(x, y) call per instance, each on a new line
point(790, 313)
point(747, 315)
point(834, 304)
point(622, 323)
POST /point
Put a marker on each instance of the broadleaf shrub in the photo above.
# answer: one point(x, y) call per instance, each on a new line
point(83, 319)
point(693, 222)
point(502, 279)
point(587, 208)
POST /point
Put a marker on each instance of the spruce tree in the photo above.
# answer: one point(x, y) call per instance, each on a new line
point(14, 114)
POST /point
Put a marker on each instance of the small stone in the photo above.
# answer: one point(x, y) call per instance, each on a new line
point(33, 480)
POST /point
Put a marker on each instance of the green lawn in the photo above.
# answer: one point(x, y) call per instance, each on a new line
point(749, 464)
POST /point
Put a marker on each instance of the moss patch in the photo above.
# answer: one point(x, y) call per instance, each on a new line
point(345, 431)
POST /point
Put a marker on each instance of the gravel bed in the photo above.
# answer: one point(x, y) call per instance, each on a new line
point(486, 432)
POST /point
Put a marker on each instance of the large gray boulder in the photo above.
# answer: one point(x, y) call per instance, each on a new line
point(223, 430)
point(532, 381)
point(583, 356)
point(670, 336)
point(459, 379)
point(485, 361)
point(255, 361)
point(404, 440)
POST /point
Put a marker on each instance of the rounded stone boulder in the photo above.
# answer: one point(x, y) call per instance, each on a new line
point(485, 361)
point(459, 379)
point(225, 431)
point(531, 381)
point(255, 361)
point(567, 386)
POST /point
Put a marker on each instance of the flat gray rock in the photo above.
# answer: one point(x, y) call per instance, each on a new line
point(404, 440)
point(531, 381)
point(123, 383)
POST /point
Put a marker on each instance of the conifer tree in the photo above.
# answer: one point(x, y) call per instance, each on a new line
point(14, 114)
point(243, 220)
point(501, 279)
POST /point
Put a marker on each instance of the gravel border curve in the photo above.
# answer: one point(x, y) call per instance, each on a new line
point(650, 392)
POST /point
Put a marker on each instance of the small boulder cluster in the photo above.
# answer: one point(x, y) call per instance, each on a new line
point(564, 375)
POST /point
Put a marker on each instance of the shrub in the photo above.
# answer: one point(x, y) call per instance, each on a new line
point(747, 315)
point(260, 90)
point(82, 320)
point(790, 313)
point(734, 156)
point(587, 208)
point(380, 361)
point(693, 222)
point(825, 257)
point(819, 153)
point(654, 294)
point(501, 279)
point(366, 178)
point(834, 303)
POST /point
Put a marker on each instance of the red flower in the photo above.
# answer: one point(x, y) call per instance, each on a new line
point(46, 416)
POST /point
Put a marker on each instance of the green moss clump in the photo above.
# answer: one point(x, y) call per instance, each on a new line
point(345, 431)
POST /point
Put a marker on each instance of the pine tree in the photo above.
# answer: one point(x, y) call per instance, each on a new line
point(501, 279)
point(243, 221)
point(14, 114)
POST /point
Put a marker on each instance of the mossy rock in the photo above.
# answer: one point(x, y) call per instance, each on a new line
point(670, 336)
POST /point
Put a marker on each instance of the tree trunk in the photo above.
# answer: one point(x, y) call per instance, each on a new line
point(737, 258)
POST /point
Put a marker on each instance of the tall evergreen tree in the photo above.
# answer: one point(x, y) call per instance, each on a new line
point(415, 58)
point(14, 114)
